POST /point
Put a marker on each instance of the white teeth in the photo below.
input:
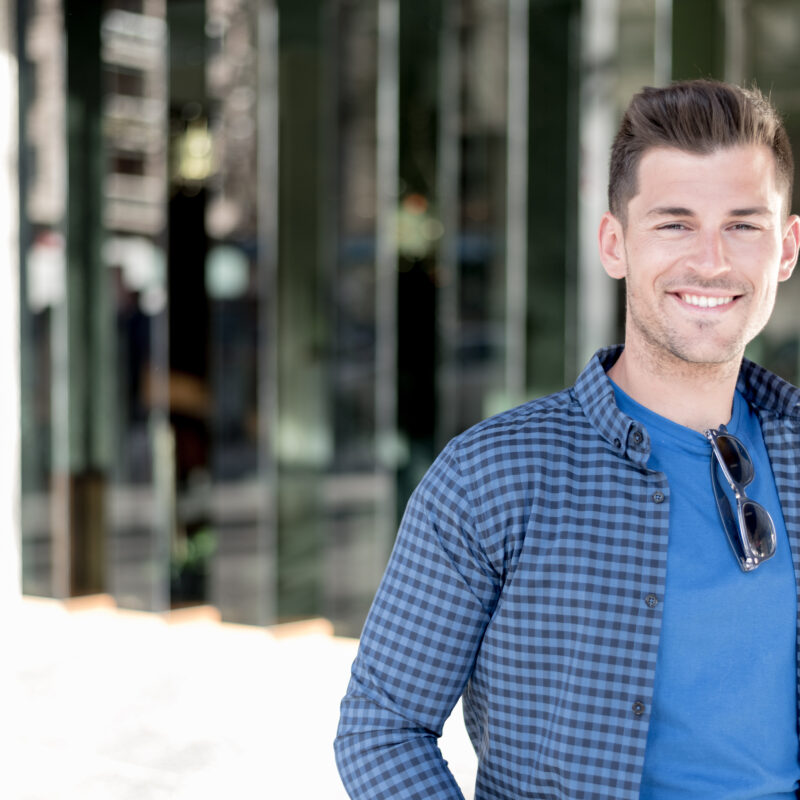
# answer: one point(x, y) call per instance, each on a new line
point(704, 301)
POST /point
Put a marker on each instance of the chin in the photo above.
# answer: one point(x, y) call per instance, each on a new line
point(709, 357)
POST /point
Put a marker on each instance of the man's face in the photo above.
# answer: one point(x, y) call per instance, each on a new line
point(705, 245)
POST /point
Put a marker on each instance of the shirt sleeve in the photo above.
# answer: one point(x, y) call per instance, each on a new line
point(418, 647)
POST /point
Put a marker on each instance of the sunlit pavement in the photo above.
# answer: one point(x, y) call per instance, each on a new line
point(113, 705)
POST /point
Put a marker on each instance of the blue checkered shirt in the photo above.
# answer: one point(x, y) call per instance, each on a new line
point(527, 576)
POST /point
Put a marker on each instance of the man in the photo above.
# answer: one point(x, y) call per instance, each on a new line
point(608, 576)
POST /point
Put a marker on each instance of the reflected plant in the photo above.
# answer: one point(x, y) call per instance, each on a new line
point(191, 556)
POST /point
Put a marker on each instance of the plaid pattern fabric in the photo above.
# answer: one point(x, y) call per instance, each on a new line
point(527, 576)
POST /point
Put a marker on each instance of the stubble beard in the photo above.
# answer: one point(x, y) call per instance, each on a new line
point(670, 353)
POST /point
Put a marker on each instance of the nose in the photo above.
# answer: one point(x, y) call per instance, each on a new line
point(708, 257)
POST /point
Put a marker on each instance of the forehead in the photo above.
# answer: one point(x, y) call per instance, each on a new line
point(743, 171)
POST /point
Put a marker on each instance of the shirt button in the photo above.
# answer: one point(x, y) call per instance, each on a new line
point(637, 437)
point(651, 601)
point(617, 443)
point(658, 497)
point(638, 708)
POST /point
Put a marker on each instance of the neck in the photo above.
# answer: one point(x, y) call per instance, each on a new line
point(697, 396)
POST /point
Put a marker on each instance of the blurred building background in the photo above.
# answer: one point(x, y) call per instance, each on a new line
point(263, 258)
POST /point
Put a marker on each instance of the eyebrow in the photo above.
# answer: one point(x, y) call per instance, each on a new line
point(670, 211)
point(680, 211)
point(749, 212)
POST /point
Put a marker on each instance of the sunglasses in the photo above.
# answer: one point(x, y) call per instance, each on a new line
point(751, 531)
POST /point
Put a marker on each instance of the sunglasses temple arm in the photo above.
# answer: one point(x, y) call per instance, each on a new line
point(729, 522)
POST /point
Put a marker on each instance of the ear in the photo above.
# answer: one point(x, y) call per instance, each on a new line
point(790, 246)
point(611, 239)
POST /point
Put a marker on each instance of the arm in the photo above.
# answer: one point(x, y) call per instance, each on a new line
point(418, 647)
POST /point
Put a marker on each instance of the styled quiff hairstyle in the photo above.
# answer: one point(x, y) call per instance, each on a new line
point(698, 116)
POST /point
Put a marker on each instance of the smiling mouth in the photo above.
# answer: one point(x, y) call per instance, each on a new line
point(704, 301)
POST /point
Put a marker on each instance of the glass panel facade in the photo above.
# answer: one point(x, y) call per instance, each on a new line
point(238, 479)
point(140, 505)
point(358, 493)
point(275, 253)
point(43, 288)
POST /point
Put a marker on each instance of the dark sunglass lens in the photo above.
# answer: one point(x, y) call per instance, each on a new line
point(736, 459)
point(759, 529)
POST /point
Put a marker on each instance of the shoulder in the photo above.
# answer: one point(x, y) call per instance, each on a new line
point(478, 494)
point(519, 437)
point(490, 459)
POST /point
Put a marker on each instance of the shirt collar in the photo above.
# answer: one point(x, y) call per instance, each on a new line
point(594, 392)
point(770, 395)
point(765, 391)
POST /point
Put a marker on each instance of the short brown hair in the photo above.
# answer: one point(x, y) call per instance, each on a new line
point(697, 116)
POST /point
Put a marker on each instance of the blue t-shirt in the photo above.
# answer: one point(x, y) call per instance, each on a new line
point(724, 718)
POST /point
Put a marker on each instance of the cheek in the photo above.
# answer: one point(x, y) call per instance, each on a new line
point(763, 301)
point(650, 256)
point(645, 271)
point(769, 289)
